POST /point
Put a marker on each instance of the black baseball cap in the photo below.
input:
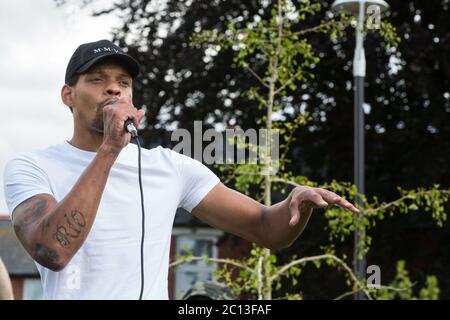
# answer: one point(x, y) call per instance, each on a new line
point(87, 54)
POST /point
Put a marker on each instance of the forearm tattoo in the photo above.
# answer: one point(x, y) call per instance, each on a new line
point(73, 225)
point(31, 211)
point(46, 255)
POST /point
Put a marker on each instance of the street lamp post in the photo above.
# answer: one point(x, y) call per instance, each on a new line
point(359, 8)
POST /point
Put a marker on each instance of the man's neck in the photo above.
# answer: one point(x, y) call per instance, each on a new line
point(88, 141)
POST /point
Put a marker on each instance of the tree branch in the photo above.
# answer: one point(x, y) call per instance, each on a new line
point(285, 181)
point(258, 77)
point(260, 280)
point(346, 294)
point(288, 82)
point(380, 287)
point(286, 267)
point(314, 29)
point(397, 289)
point(395, 202)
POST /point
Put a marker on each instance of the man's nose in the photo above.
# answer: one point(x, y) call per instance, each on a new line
point(113, 88)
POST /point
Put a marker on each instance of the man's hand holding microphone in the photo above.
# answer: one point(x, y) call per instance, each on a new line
point(120, 120)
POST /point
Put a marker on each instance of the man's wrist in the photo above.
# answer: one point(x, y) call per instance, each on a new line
point(109, 151)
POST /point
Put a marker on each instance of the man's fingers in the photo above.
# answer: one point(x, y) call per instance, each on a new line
point(328, 196)
point(316, 198)
point(318, 201)
point(295, 212)
point(346, 205)
point(333, 198)
point(139, 116)
point(128, 109)
point(351, 207)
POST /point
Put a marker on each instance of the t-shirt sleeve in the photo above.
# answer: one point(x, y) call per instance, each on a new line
point(196, 181)
point(23, 178)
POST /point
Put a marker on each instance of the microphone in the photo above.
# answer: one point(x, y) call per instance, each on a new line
point(129, 126)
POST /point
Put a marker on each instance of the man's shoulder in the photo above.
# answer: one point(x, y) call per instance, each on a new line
point(168, 158)
point(34, 155)
point(160, 151)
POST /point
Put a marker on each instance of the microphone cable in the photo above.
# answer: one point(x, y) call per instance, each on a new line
point(129, 126)
point(136, 138)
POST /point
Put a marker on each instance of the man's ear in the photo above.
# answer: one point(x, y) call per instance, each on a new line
point(66, 95)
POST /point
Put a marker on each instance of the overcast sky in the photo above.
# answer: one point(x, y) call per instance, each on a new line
point(37, 40)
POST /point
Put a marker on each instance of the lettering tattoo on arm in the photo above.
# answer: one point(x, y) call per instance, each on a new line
point(34, 222)
point(74, 224)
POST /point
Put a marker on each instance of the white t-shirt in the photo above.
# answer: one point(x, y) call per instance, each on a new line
point(107, 266)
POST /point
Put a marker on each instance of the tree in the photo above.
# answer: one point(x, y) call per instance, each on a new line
point(184, 84)
point(285, 57)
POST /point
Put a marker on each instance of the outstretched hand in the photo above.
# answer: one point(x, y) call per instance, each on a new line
point(305, 199)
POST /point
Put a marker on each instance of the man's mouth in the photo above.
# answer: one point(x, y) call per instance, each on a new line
point(109, 101)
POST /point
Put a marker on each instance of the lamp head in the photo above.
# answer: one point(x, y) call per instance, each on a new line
point(352, 6)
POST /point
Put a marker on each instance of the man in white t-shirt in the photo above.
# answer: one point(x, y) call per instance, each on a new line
point(75, 205)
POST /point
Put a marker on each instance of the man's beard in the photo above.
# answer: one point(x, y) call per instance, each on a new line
point(97, 124)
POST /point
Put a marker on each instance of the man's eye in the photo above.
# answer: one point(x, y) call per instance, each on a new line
point(124, 83)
